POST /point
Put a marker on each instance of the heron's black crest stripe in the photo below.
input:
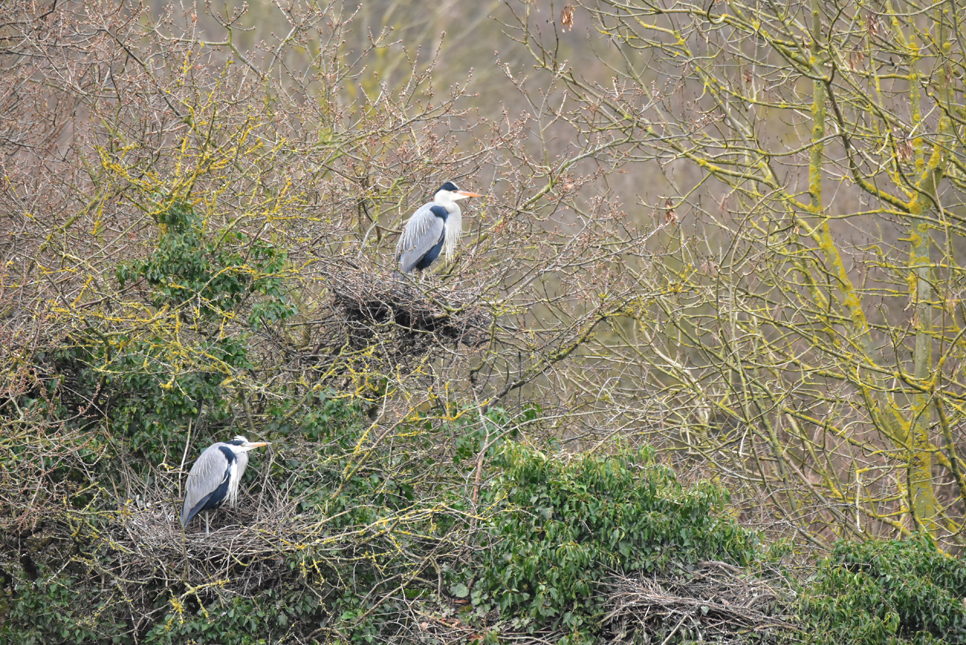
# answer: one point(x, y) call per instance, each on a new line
point(439, 211)
point(450, 186)
point(229, 455)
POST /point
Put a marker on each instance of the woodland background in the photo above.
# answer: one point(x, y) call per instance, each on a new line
point(696, 373)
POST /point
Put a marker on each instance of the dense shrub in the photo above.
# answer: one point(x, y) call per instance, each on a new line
point(561, 526)
point(60, 610)
point(876, 593)
point(149, 383)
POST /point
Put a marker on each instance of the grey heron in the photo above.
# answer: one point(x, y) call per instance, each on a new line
point(215, 476)
point(433, 227)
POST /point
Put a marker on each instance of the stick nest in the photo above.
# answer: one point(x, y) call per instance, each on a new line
point(715, 602)
point(400, 315)
point(247, 544)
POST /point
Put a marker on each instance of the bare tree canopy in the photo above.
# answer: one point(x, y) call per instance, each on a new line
point(718, 247)
point(805, 334)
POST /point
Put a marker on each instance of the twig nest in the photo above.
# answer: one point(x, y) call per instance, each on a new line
point(372, 305)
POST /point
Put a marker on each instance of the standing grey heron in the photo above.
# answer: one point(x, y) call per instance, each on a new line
point(432, 227)
point(215, 476)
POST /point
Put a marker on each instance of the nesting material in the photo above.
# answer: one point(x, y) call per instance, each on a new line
point(715, 602)
point(246, 544)
point(369, 307)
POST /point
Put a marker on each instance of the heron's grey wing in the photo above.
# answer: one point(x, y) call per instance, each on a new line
point(206, 475)
point(423, 231)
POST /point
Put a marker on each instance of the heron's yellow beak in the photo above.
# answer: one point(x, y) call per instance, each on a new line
point(466, 193)
point(258, 444)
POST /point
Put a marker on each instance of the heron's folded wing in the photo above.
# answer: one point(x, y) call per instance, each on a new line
point(423, 231)
point(206, 475)
point(195, 510)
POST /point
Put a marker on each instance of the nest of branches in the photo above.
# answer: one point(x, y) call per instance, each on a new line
point(716, 602)
point(400, 315)
point(247, 544)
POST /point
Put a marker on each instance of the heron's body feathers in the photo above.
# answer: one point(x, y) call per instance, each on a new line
point(431, 229)
point(213, 480)
point(425, 230)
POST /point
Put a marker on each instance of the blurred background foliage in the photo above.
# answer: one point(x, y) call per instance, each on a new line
point(718, 267)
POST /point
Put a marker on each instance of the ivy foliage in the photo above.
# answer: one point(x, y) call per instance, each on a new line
point(60, 611)
point(210, 276)
point(561, 526)
point(152, 381)
point(884, 593)
point(554, 529)
point(274, 616)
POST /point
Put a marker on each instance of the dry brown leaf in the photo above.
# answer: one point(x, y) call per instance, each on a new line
point(903, 147)
point(567, 17)
point(670, 216)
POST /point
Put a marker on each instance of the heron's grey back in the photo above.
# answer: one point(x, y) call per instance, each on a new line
point(423, 231)
point(206, 475)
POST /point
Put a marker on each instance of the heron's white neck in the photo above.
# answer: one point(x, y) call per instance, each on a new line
point(454, 222)
point(454, 228)
point(239, 466)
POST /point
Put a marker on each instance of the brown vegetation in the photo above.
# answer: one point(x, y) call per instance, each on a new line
point(731, 231)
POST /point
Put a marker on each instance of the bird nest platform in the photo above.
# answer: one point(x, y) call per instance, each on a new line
point(369, 306)
point(714, 602)
point(247, 545)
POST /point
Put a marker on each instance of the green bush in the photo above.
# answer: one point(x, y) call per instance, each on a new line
point(216, 288)
point(560, 527)
point(270, 618)
point(375, 530)
point(60, 610)
point(886, 592)
point(209, 276)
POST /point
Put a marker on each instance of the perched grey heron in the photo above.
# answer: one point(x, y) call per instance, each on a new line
point(433, 227)
point(215, 476)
